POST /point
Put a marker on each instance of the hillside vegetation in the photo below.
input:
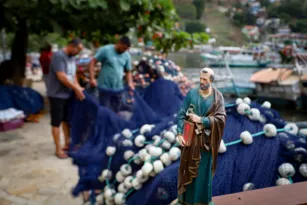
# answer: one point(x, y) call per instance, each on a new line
point(222, 28)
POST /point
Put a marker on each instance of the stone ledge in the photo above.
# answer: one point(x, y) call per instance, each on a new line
point(294, 194)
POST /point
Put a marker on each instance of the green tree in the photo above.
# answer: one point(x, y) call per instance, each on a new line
point(200, 7)
point(294, 8)
point(300, 26)
point(238, 5)
point(244, 18)
point(265, 3)
point(186, 10)
point(200, 38)
point(285, 17)
point(91, 19)
point(292, 12)
point(174, 41)
point(272, 11)
point(194, 26)
point(238, 19)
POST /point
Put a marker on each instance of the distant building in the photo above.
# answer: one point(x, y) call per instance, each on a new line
point(251, 32)
point(255, 7)
point(260, 21)
point(284, 30)
point(274, 23)
point(262, 13)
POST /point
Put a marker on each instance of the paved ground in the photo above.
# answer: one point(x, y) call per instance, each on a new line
point(29, 171)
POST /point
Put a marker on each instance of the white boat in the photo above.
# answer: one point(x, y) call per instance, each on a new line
point(238, 57)
point(224, 81)
point(135, 51)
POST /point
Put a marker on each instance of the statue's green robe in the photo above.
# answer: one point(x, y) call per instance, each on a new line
point(198, 162)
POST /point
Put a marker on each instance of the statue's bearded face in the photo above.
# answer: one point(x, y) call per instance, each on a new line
point(205, 81)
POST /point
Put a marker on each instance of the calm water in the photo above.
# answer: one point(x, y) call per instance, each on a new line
point(192, 63)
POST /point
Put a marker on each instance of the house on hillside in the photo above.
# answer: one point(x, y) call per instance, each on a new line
point(255, 7)
point(261, 17)
point(284, 30)
point(251, 32)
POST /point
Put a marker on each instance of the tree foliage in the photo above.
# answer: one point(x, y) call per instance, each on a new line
point(98, 20)
point(36, 42)
point(200, 38)
point(200, 7)
point(292, 12)
point(300, 26)
point(186, 10)
point(194, 26)
point(265, 3)
point(244, 17)
point(89, 17)
point(176, 40)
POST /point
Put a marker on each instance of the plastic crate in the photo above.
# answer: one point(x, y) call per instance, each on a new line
point(13, 124)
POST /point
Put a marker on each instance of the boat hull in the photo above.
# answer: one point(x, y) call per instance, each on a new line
point(287, 92)
point(241, 91)
point(239, 65)
point(280, 95)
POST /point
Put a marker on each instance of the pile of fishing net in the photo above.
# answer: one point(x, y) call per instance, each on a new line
point(133, 158)
point(151, 68)
point(20, 98)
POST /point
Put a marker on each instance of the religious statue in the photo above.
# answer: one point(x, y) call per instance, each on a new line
point(200, 129)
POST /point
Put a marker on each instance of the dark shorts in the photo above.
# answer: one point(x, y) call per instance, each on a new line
point(111, 101)
point(58, 111)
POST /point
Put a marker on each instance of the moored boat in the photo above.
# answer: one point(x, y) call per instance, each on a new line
point(238, 57)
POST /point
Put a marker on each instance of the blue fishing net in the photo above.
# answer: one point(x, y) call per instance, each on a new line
point(94, 127)
point(256, 163)
point(170, 106)
point(20, 98)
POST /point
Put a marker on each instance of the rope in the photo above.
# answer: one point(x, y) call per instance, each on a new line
point(147, 142)
point(135, 131)
point(258, 134)
point(234, 142)
point(132, 159)
point(290, 179)
point(230, 105)
point(161, 141)
point(253, 135)
point(109, 166)
point(129, 192)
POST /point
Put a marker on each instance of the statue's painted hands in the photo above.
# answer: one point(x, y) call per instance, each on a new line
point(195, 118)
